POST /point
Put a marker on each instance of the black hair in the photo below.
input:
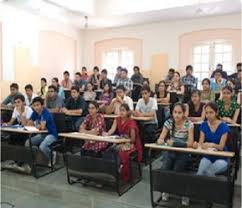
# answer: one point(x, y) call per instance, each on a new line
point(176, 72)
point(206, 79)
point(126, 107)
point(93, 103)
point(110, 88)
point(146, 80)
point(66, 72)
point(78, 73)
point(14, 85)
point(189, 67)
point(136, 68)
point(146, 88)
point(214, 106)
point(104, 71)
point(172, 70)
point(217, 71)
point(96, 68)
point(120, 87)
point(119, 68)
point(219, 65)
point(228, 88)
point(231, 80)
point(53, 87)
point(84, 68)
point(196, 91)
point(58, 85)
point(124, 70)
point(28, 86)
point(19, 97)
point(38, 99)
point(75, 88)
point(43, 79)
point(183, 107)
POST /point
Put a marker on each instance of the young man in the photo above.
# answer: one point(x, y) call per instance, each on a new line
point(94, 78)
point(66, 83)
point(119, 100)
point(137, 77)
point(219, 67)
point(170, 75)
point(237, 77)
point(79, 82)
point(147, 107)
point(84, 75)
point(125, 81)
point(218, 82)
point(42, 119)
point(53, 101)
point(117, 75)
point(30, 95)
point(75, 105)
point(104, 79)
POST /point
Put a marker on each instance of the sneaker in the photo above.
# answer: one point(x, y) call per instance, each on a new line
point(25, 168)
point(165, 196)
point(53, 158)
point(8, 164)
point(185, 201)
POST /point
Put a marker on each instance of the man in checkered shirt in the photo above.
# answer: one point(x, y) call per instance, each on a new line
point(125, 81)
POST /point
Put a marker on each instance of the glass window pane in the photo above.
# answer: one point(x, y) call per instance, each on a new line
point(218, 48)
point(197, 50)
point(205, 49)
point(218, 58)
point(197, 58)
point(227, 57)
point(197, 67)
point(227, 48)
point(205, 67)
point(205, 58)
point(227, 66)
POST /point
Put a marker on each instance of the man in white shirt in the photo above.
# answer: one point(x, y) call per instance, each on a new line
point(119, 100)
point(30, 95)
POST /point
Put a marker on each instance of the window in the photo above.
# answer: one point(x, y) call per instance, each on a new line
point(207, 55)
point(117, 57)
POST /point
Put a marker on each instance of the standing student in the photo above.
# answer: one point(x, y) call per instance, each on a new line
point(137, 77)
point(53, 101)
point(170, 75)
point(30, 95)
point(75, 105)
point(66, 83)
point(124, 126)
point(79, 82)
point(120, 99)
point(207, 95)
point(43, 89)
point(60, 89)
point(89, 94)
point(84, 75)
point(213, 134)
point(117, 75)
point(93, 124)
point(236, 77)
point(218, 82)
point(94, 78)
point(106, 98)
point(125, 81)
point(179, 131)
point(104, 79)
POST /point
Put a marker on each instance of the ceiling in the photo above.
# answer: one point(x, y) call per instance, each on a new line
point(117, 13)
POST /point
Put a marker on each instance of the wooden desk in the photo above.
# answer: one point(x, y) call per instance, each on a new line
point(83, 136)
point(163, 104)
point(112, 116)
point(6, 109)
point(22, 130)
point(73, 114)
point(191, 150)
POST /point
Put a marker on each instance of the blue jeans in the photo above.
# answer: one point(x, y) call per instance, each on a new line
point(208, 168)
point(43, 141)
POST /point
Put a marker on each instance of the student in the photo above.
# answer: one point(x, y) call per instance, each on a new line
point(106, 98)
point(207, 95)
point(125, 81)
point(137, 77)
point(84, 75)
point(236, 77)
point(60, 90)
point(43, 89)
point(218, 82)
point(219, 68)
point(94, 78)
point(228, 108)
point(21, 113)
point(42, 119)
point(120, 99)
point(176, 86)
point(9, 100)
point(213, 134)
point(53, 101)
point(75, 105)
point(89, 94)
point(180, 131)
point(125, 126)
point(147, 82)
point(79, 82)
point(162, 96)
point(104, 79)
point(230, 83)
point(66, 83)
point(117, 75)
point(93, 124)
point(170, 75)
point(30, 95)
point(195, 107)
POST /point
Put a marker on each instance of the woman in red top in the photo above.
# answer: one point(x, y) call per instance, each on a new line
point(124, 126)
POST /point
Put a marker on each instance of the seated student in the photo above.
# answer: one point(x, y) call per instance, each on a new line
point(66, 83)
point(137, 77)
point(79, 82)
point(125, 81)
point(231, 84)
point(43, 89)
point(104, 79)
point(9, 100)
point(125, 126)
point(117, 75)
point(120, 99)
point(84, 75)
point(195, 107)
point(207, 95)
point(30, 95)
point(106, 98)
point(162, 96)
point(236, 77)
point(42, 119)
point(75, 105)
point(180, 131)
point(94, 78)
point(147, 82)
point(217, 83)
point(93, 124)
point(53, 101)
point(176, 86)
point(219, 68)
point(89, 94)
point(170, 75)
point(213, 134)
point(228, 107)
point(60, 90)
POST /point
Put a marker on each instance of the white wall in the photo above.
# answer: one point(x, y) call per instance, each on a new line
point(162, 37)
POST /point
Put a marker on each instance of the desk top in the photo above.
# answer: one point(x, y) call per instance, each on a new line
point(112, 116)
point(83, 136)
point(6, 109)
point(191, 150)
point(21, 130)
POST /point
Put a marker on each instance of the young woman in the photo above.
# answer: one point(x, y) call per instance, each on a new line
point(179, 132)
point(60, 89)
point(228, 107)
point(195, 107)
point(126, 127)
point(93, 124)
point(177, 86)
point(89, 94)
point(95, 77)
point(231, 84)
point(162, 95)
point(207, 95)
point(43, 89)
point(213, 134)
point(106, 97)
